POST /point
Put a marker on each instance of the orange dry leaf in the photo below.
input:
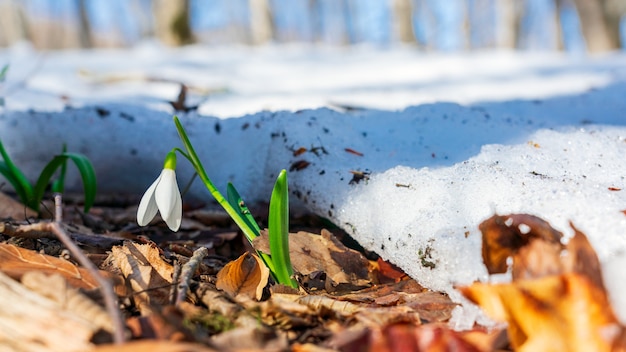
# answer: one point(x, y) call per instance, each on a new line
point(554, 313)
point(557, 300)
point(247, 276)
point(15, 261)
point(154, 346)
point(388, 271)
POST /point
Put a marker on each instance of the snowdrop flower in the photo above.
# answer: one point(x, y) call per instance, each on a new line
point(163, 196)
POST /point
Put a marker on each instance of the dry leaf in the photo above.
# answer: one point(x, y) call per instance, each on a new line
point(554, 313)
point(217, 301)
point(165, 323)
point(284, 311)
point(582, 259)
point(504, 235)
point(323, 261)
point(557, 300)
point(32, 322)
point(388, 271)
point(16, 261)
point(148, 275)
point(10, 208)
point(68, 298)
point(154, 346)
point(247, 276)
point(536, 259)
point(404, 337)
point(431, 306)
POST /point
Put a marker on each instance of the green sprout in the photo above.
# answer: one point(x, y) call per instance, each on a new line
point(3, 73)
point(163, 194)
point(31, 195)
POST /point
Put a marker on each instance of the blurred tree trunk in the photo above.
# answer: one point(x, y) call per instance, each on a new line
point(403, 20)
point(13, 23)
point(614, 10)
point(509, 23)
point(597, 35)
point(261, 21)
point(172, 21)
point(84, 29)
point(560, 41)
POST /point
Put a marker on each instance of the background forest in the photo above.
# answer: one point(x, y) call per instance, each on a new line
point(433, 25)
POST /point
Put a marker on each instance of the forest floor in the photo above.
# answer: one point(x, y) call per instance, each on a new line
point(203, 289)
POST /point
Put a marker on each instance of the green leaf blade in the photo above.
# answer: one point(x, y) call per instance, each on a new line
point(17, 185)
point(85, 168)
point(20, 183)
point(279, 231)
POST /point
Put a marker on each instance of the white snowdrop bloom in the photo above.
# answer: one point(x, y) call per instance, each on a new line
point(162, 196)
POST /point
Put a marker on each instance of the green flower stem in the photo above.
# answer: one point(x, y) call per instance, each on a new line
point(241, 222)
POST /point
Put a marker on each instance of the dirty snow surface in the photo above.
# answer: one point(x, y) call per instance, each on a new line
point(406, 151)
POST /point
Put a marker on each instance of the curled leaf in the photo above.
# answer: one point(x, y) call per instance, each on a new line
point(247, 276)
point(504, 235)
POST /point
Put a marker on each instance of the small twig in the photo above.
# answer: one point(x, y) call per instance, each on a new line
point(175, 278)
point(187, 272)
point(41, 230)
point(58, 208)
point(38, 230)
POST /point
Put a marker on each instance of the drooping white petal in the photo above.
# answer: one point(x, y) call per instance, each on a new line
point(168, 199)
point(175, 218)
point(148, 207)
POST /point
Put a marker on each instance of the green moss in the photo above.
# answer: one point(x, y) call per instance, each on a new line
point(214, 322)
point(425, 257)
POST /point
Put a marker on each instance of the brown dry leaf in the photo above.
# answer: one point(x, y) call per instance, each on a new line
point(286, 312)
point(536, 259)
point(10, 208)
point(582, 259)
point(217, 301)
point(431, 306)
point(504, 235)
point(247, 276)
point(292, 311)
point(404, 337)
point(147, 274)
point(553, 313)
point(69, 299)
point(32, 322)
point(166, 323)
point(16, 261)
point(325, 259)
point(154, 346)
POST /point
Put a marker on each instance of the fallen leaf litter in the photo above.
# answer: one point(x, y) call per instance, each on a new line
point(223, 299)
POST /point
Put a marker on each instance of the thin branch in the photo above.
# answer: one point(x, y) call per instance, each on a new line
point(110, 299)
point(175, 278)
point(41, 230)
point(187, 272)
